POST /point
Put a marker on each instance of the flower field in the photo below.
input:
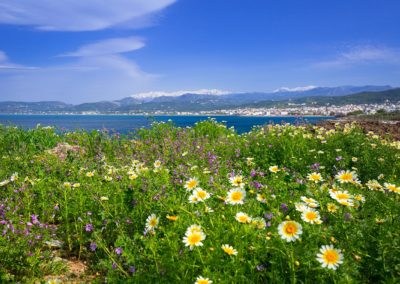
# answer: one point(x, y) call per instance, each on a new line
point(279, 204)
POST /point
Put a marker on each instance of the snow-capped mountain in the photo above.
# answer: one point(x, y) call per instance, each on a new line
point(155, 94)
point(295, 89)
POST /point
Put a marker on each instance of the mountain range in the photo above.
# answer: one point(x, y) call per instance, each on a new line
point(213, 100)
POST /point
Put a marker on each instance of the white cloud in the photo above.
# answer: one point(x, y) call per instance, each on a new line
point(362, 55)
point(87, 79)
point(108, 46)
point(6, 65)
point(79, 15)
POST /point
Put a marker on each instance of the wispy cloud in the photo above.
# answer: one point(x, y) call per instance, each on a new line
point(5, 64)
point(108, 46)
point(361, 55)
point(78, 15)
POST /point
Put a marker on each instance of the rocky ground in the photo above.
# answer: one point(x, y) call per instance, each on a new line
point(380, 127)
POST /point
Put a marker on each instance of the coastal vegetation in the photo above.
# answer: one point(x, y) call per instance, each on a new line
point(201, 204)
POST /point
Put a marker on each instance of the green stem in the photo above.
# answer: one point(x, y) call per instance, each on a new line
point(66, 220)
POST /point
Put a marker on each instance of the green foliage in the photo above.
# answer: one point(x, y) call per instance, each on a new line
point(88, 195)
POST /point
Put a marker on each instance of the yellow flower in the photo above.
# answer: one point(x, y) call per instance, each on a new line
point(133, 176)
point(172, 218)
point(301, 207)
point(250, 161)
point(315, 177)
point(374, 185)
point(311, 216)
point(194, 228)
point(261, 198)
point(274, 169)
point(104, 198)
point(90, 174)
point(193, 238)
point(191, 184)
point(359, 197)
point(201, 194)
point(330, 257)
point(67, 184)
point(310, 202)
point(242, 217)
point(157, 164)
point(259, 223)
point(237, 181)
point(229, 250)
point(202, 280)
point(341, 196)
point(290, 230)
point(236, 196)
point(331, 207)
point(392, 187)
point(108, 178)
point(346, 176)
point(151, 222)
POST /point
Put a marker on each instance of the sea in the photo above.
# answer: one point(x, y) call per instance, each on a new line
point(125, 124)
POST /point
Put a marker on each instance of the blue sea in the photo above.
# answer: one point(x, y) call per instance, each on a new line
point(128, 123)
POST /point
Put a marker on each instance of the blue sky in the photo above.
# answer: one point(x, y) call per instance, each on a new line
point(80, 51)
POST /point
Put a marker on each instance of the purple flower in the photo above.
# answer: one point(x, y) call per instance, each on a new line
point(315, 166)
point(284, 207)
point(257, 184)
point(89, 227)
point(118, 251)
point(93, 246)
point(34, 219)
point(347, 216)
point(114, 266)
point(268, 224)
point(269, 216)
point(132, 269)
point(253, 173)
point(339, 158)
point(260, 267)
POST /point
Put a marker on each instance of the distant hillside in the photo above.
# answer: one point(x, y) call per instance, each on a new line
point(392, 95)
point(207, 102)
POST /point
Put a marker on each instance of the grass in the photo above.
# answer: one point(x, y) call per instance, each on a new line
point(90, 196)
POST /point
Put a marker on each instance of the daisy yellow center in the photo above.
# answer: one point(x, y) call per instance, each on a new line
point(194, 238)
point(243, 219)
point(346, 177)
point(237, 181)
point(192, 184)
point(203, 281)
point(229, 250)
point(342, 196)
point(201, 194)
point(237, 196)
point(331, 256)
point(290, 229)
point(392, 187)
point(153, 222)
point(331, 207)
point(311, 215)
point(315, 177)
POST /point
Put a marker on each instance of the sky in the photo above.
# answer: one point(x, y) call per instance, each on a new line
point(83, 51)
